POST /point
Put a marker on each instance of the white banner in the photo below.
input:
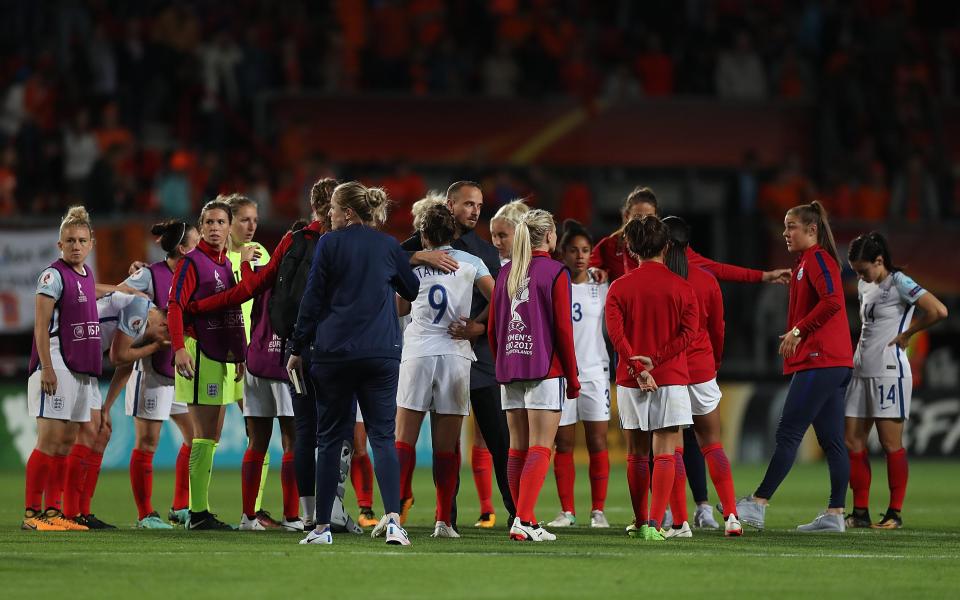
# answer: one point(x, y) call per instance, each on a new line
point(23, 255)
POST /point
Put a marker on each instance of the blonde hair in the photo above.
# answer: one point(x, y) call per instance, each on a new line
point(235, 201)
point(511, 212)
point(531, 231)
point(370, 204)
point(421, 206)
point(77, 216)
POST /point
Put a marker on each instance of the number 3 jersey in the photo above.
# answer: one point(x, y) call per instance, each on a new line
point(886, 309)
point(587, 310)
point(443, 299)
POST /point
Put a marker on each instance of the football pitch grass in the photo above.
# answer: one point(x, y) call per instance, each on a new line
point(921, 560)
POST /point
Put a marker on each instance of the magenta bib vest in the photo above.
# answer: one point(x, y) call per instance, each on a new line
point(220, 334)
point(524, 323)
point(79, 323)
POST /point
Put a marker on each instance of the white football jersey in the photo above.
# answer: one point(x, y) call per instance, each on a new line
point(123, 312)
point(443, 299)
point(588, 300)
point(886, 309)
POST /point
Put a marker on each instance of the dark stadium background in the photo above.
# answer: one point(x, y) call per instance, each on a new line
point(732, 111)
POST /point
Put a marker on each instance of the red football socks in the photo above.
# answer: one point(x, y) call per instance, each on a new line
point(566, 475)
point(638, 480)
point(181, 485)
point(92, 464)
point(482, 464)
point(722, 477)
point(53, 489)
point(74, 482)
point(38, 471)
point(250, 473)
point(664, 469)
point(288, 483)
point(531, 481)
point(445, 467)
point(141, 481)
point(515, 462)
point(860, 477)
point(407, 456)
point(361, 476)
point(897, 474)
point(678, 495)
point(599, 478)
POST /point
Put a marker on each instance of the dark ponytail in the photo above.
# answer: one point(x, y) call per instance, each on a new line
point(870, 246)
point(571, 230)
point(816, 214)
point(171, 234)
point(676, 259)
point(646, 237)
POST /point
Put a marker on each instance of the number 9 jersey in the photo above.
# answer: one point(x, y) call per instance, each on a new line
point(442, 300)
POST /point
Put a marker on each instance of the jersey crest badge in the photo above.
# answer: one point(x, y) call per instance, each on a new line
point(800, 274)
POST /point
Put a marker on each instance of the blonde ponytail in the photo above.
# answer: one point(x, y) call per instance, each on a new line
point(520, 258)
point(378, 202)
point(531, 232)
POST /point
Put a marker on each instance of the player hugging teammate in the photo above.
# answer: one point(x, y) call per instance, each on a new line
point(660, 302)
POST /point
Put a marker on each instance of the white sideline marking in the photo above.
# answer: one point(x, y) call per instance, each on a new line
point(403, 553)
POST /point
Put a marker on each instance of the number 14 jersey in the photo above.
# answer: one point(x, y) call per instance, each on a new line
point(443, 299)
point(886, 309)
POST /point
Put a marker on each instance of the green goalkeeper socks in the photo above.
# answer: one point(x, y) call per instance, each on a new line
point(263, 478)
point(201, 465)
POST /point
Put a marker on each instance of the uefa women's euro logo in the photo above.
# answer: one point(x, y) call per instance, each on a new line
point(522, 295)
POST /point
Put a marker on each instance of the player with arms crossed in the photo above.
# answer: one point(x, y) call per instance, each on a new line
point(434, 367)
point(879, 393)
point(593, 405)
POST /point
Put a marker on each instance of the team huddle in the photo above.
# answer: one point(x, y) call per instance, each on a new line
point(345, 336)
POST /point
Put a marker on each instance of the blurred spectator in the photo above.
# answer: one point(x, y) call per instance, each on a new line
point(80, 152)
point(111, 132)
point(173, 188)
point(914, 194)
point(871, 199)
point(740, 72)
point(219, 59)
point(8, 182)
point(621, 84)
point(793, 77)
point(102, 63)
point(655, 68)
point(500, 72)
point(789, 188)
point(746, 184)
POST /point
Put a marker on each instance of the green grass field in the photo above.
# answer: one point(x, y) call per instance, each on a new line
point(919, 561)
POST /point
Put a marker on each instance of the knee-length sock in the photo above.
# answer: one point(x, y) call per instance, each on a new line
point(141, 481)
point(566, 474)
point(201, 468)
point(74, 481)
point(599, 479)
